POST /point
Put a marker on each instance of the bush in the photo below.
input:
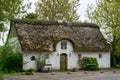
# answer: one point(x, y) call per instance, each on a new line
point(90, 63)
point(10, 62)
point(75, 70)
point(29, 71)
point(117, 59)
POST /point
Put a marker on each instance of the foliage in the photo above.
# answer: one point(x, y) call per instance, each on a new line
point(90, 63)
point(75, 69)
point(107, 14)
point(30, 16)
point(29, 71)
point(10, 9)
point(41, 62)
point(10, 62)
point(57, 10)
point(117, 57)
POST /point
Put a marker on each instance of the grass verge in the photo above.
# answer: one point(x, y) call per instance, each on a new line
point(1, 77)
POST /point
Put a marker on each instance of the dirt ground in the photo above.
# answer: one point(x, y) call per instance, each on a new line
point(81, 75)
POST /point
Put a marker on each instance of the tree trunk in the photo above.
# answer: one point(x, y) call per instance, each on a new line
point(113, 56)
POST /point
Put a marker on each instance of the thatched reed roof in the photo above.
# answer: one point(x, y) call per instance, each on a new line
point(35, 35)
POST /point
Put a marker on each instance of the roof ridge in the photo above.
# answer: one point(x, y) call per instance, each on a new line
point(36, 22)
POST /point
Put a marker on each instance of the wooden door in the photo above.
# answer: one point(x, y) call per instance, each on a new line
point(63, 62)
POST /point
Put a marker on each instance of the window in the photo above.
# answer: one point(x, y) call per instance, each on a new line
point(100, 55)
point(79, 56)
point(63, 45)
point(32, 58)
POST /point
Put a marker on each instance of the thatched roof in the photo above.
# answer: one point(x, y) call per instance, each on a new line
point(35, 35)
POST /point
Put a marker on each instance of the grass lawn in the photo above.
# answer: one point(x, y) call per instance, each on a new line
point(12, 74)
point(1, 76)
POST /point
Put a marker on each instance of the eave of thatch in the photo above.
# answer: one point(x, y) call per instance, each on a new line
point(35, 35)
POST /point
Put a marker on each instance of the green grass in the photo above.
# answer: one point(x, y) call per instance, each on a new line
point(11, 74)
point(1, 77)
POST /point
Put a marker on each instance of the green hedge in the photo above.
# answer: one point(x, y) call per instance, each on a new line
point(90, 63)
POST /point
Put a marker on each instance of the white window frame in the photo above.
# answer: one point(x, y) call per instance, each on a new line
point(63, 44)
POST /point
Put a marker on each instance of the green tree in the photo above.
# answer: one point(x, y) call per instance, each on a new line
point(9, 9)
point(57, 10)
point(107, 15)
point(30, 16)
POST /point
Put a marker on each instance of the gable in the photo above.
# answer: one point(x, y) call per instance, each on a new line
point(44, 35)
point(12, 32)
point(13, 40)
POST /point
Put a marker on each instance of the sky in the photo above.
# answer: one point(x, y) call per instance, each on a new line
point(81, 9)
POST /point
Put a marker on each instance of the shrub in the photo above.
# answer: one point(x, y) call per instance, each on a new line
point(75, 70)
point(29, 71)
point(10, 62)
point(90, 63)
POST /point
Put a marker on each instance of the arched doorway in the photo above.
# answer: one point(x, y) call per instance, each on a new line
point(63, 62)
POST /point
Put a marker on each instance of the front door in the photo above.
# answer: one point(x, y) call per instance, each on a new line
point(63, 62)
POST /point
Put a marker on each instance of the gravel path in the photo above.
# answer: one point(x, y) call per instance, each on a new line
point(81, 75)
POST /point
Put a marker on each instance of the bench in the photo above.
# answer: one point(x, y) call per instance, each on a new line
point(47, 67)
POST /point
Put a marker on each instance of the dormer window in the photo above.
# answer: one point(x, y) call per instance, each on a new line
point(64, 45)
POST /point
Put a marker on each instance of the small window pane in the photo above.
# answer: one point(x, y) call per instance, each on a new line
point(79, 56)
point(100, 55)
point(63, 45)
point(32, 58)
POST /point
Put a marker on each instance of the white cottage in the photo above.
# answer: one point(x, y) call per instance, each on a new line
point(64, 44)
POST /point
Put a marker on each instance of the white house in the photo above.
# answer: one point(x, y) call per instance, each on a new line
point(64, 44)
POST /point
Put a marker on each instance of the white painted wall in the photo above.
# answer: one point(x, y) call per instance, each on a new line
point(72, 58)
point(54, 58)
point(27, 62)
point(14, 42)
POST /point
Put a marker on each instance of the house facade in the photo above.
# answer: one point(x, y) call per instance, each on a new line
point(63, 44)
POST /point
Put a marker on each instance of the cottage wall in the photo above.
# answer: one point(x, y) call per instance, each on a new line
point(53, 59)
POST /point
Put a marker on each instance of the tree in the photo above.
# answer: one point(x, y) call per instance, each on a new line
point(107, 14)
point(57, 10)
point(30, 16)
point(9, 9)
